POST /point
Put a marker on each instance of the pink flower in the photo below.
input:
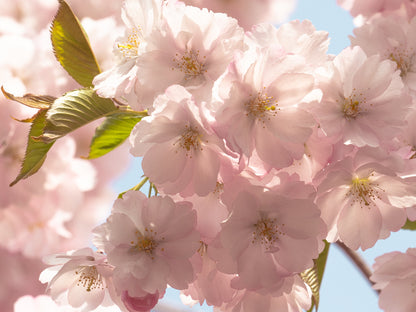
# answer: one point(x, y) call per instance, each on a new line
point(261, 110)
point(178, 44)
point(81, 278)
point(364, 101)
point(140, 18)
point(395, 276)
point(295, 38)
point(149, 242)
point(193, 50)
point(362, 197)
point(181, 154)
point(266, 230)
point(394, 39)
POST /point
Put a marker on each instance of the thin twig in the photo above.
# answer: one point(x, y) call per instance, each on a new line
point(140, 185)
point(359, 262)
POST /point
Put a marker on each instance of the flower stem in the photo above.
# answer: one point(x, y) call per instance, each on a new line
point(139, 186)
point(359, 262)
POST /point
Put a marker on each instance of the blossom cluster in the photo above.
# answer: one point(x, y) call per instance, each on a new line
point(259, 146)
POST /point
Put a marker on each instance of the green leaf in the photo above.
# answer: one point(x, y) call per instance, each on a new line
point(313, 276)
point(71, 46)
point(113, 131)
point(36, 151)
point(409, 225)
point(34, 101)
point(73, 110)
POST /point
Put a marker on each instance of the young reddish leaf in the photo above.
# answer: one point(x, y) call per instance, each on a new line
point(31, 100)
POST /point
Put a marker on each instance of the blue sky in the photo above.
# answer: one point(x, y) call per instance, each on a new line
point(343, 288)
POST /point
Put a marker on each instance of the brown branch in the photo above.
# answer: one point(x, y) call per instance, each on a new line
point(359, 262)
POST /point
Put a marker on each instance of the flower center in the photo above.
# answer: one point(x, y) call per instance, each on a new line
point(267, 232)
point(363, 191)
point(190, 140)
point(202, 248)
point(261, 106)
point(354, 105)
point(89, 278)
point(130, 47)
point(403, 60)
point(189, 63)
point(146, 243)
point(219, 189)
point(351, 108)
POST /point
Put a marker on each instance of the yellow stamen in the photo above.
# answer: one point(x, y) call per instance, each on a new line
point(190, 64)
point(261, 106)
point(89, 278)
point(130, 48)
point(364, 191)
point(146, 242)
point(267, 232)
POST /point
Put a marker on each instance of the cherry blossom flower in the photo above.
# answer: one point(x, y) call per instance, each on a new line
point(266, 230)
point(362, 197)
point(395, 276)
point(194, 49)
point(394, 39)
point(181, 154)
point(364, 101)
point(140, 19)
point(261, 110)
point(296, 38)
point(149, 242)
point(178, 44)
point(81, 278)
